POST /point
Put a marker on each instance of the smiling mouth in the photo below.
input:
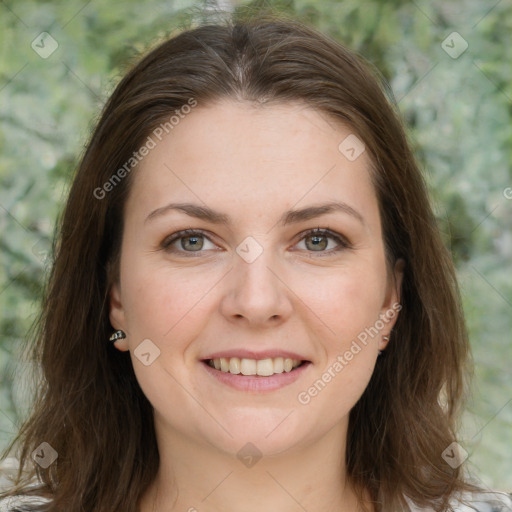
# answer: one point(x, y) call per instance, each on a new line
point(255, 367)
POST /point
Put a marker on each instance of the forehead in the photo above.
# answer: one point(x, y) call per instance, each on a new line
point(232, 155)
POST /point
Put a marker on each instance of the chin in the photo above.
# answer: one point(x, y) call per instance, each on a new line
point(265, 434)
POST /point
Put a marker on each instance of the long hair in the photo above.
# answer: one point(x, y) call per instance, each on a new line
point(89, 406)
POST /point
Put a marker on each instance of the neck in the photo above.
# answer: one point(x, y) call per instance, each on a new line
point(199, 478)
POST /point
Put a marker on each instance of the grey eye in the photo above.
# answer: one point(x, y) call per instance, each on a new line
point(187, 242)
point(195, 242)
point(318, 242)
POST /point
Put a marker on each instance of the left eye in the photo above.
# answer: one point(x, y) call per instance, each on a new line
point(317, 240)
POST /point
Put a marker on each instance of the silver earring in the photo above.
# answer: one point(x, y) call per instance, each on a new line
point(117, 335)
point(386, 339)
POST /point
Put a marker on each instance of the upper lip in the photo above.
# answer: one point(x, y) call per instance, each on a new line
point(250, 354)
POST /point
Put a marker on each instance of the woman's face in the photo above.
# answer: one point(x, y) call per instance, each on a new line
point(250, 284)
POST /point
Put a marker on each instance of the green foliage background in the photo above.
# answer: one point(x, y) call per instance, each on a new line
point(458, 112)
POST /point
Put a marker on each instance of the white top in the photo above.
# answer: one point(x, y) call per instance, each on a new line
point(21, 503)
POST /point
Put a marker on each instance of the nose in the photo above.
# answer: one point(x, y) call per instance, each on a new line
point(256, 293)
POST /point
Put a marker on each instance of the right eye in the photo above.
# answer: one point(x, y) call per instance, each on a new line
point(190, 241)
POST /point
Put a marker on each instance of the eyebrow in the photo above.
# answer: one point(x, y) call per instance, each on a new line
point(290, 217)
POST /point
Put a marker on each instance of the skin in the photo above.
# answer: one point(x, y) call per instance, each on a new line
point(252, 163)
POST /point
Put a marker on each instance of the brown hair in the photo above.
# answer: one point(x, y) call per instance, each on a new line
point(89, 406)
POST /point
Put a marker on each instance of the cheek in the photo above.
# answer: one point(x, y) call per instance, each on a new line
point(346, 300)
point(164, 303)
point(349, 308)
point(164, 306)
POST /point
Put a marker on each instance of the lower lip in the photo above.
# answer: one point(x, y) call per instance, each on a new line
point(255, 384)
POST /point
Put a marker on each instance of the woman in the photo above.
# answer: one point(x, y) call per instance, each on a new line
point(250, 306)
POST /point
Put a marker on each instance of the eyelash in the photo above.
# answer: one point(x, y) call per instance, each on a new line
point(342, 242)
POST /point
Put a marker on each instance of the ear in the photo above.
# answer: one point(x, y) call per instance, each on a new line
point(116, 315)
point(391, 307)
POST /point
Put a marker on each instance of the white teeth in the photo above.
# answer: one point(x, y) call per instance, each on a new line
point(265, 367)
point(262, 367)
point(278, 365)
point(248, 367)
point(234, 365)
